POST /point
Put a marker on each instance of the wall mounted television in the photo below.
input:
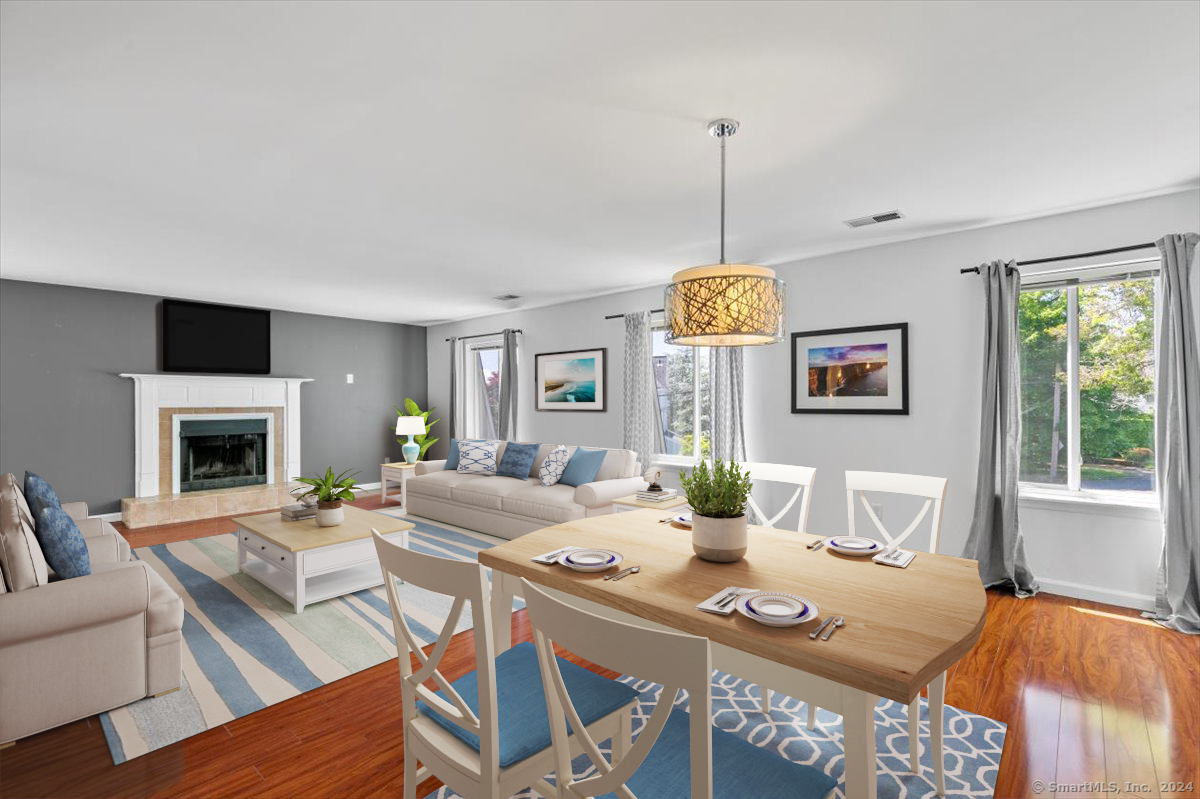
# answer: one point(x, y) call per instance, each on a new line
point(216, 339)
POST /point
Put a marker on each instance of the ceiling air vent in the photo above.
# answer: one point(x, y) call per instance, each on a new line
point(874, 219)
point(507, 299)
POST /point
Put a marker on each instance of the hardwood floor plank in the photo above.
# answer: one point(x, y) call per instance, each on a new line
point(1080, 745)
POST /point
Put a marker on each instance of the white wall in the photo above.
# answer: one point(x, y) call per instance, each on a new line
point(1101, 554)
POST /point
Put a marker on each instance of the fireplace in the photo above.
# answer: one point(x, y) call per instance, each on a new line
point(224, 452)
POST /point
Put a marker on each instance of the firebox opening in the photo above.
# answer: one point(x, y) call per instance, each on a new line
point(222, 453)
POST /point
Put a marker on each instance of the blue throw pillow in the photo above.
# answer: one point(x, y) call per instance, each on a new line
point(517, 460)
point(583, 466)
point(62, 543)
point(38, 494)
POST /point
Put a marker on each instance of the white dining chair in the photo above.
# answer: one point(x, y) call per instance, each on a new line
point(678, 754)
point(800, 476)
point(486, 735)
point(933, 489)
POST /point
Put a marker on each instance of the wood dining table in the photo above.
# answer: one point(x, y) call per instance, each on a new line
point(903, 627)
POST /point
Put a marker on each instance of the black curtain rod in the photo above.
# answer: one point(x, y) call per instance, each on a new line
point(483, 335)
point(622, 316)
point(1130, 248)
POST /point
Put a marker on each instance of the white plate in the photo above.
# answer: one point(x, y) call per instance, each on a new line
point(810, 610)
point(684, 518)
point(778, 606)
point(590, 560)
point(854, 545)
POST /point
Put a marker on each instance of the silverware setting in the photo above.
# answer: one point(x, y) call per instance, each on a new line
point(837, 622)
point(664, 521)
point(617, 574)
point(815, 544)
point(732, 595)
point(553, 556)
point(820, 627)
point(623, 574)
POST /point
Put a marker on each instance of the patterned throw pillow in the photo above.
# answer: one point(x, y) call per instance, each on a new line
point(516, 460)
point(554, 465)
point(477, 457)
point(38, 495)
point(62, 543)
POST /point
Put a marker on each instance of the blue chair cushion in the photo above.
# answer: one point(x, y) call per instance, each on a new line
point(583, 467)
point(62, 543)
point(517, 460)
point(740, 769)
point(521, 704)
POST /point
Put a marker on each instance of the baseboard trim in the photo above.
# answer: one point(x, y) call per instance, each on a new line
point(368, 486)
point(107, 517)
point(1091, 593)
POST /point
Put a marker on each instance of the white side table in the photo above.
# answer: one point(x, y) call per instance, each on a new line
point(397, 473)
point(678, 504)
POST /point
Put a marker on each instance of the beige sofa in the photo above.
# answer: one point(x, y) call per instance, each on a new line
point(508, 507)
point(73, 648)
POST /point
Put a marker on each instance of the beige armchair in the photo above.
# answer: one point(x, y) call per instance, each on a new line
point(73, 648)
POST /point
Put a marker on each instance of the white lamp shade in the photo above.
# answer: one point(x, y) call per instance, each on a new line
point(410, 426)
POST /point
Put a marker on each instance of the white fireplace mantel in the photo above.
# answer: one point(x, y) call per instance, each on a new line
point(154, 391)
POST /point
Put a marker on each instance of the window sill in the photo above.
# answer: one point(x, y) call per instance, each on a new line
point(1143, 505)
point(674, 461)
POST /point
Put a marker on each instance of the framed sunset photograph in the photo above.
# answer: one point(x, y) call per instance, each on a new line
point(851, 370)
point(576, 380)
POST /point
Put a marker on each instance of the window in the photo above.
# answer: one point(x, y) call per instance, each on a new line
point(681, 377)
point(481, 386)
point(1087, 384)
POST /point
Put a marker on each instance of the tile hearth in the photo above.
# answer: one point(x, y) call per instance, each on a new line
point(170, 508)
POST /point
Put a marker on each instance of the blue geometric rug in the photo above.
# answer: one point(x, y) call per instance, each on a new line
point(245, 647)
point(972, 743)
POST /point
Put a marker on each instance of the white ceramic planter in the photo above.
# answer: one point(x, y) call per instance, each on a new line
point(719, 540)
point(330, 514)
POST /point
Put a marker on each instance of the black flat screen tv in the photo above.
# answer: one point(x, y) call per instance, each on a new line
point(217, 339)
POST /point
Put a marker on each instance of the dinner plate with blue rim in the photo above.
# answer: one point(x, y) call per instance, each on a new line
point(854, 545)
point(590, 560)
point(684, 518)
point(776, 609)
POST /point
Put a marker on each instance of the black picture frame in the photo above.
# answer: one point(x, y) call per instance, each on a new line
point(572, 407)
point(901, 327)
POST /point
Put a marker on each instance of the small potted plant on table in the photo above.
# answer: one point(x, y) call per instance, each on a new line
point(718, 499)
point(329, 492)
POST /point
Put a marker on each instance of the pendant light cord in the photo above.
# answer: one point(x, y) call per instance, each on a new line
point(722, 138)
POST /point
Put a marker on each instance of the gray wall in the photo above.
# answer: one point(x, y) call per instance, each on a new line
point(65, 414)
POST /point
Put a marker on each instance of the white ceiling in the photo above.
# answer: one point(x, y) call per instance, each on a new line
point(408, 161)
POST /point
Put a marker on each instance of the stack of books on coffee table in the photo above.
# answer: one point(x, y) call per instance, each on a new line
point(657, 496)
point(294, 513)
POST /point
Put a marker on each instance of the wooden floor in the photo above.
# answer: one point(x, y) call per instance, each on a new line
point(1090, 693)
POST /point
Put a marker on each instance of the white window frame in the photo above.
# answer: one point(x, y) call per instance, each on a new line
point(684, 461)
point(467, 368)
point(1073, 496)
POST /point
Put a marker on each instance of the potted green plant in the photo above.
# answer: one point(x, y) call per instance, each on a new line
point(417, 444)
point(718, 498)
point(329, 492)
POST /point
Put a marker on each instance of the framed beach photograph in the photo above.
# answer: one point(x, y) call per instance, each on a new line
point(572, 381)
point(851, 370)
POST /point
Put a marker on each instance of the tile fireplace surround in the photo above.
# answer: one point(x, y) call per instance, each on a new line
point(160, 399)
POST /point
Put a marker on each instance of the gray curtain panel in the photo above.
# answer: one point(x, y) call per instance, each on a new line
point(508, 387)
point(454, 414)
point(1177, 437)
point(995, 539)
point(726, 375)
point(643, 422)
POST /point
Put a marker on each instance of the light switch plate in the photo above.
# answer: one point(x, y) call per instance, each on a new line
point(349, 378)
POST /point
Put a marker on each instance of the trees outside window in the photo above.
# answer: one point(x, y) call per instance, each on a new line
point(682, 380)
point(1087, 385)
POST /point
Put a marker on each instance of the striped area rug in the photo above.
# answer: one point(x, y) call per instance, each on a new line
point(246, 649)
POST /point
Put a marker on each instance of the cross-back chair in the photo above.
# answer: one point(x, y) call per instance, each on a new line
point(933, 490)
point(482, 742)
point(677, 754)
point(802, 478)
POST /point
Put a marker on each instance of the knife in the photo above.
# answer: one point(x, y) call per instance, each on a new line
point(817, 631)
point(621, 573)
point(626, 573)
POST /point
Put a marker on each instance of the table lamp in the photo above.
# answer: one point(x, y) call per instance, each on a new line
point(410, 426)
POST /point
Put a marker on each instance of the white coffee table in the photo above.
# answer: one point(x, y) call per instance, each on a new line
point(306, 563)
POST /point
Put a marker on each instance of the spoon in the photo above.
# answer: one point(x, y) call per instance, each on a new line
point(837, 622)
point(626, 573)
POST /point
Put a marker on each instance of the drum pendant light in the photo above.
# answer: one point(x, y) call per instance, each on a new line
point(724, 305)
